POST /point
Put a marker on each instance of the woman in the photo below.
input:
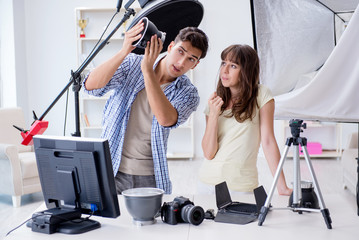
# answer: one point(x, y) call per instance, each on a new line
point(239, 117)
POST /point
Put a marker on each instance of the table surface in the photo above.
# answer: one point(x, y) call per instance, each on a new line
point(279, 224)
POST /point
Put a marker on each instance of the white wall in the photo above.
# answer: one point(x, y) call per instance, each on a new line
point(45, 43)
point(51, 55)
point(8, 73)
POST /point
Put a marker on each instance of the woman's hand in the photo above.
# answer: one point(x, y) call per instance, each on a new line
point(215, 103)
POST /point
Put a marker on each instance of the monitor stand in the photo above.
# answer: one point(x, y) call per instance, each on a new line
point(61, 220)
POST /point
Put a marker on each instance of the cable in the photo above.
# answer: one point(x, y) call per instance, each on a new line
point(66, 109)
point(19, 226)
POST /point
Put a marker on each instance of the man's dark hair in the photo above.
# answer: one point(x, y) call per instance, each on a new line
point(196, 37)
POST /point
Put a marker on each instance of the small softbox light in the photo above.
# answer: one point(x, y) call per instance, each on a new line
point(149, 30)
point(170, 16)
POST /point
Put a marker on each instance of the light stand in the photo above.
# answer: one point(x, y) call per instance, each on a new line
point(76, 76)
point(39, 126)
point(297, 204)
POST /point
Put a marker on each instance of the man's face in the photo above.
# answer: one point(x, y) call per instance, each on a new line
point(181, 57)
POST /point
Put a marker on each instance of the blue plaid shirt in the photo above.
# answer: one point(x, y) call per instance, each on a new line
point(126, 83)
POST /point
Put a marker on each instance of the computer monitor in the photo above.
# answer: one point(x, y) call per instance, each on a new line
point(76, 178)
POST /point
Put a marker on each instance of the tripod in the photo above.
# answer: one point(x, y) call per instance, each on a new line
point(297, 204)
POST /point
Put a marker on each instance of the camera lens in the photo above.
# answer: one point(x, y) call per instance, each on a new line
point(192, 214)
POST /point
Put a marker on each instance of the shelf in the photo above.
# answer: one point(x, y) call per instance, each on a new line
point(98, 19)
point(86, 96)
point(86, 46)
point(87, 9)
point(188, 123)
point(96, 39)
point(182, 155)
point(325, 154)
point(327, 134)
point(98, 127)
point(92, 132)
point(93, 98)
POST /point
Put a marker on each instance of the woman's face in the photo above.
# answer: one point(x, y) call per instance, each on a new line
point(229, 74)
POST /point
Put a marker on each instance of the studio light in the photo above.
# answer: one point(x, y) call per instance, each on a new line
point(170, 16)
point(149, 30)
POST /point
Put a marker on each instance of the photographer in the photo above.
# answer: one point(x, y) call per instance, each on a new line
point(150, 96)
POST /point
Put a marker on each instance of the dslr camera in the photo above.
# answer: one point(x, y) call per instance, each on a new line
point(181, 209)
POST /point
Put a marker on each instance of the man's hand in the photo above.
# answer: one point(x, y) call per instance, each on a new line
point(131, 36)
point(152, 51)
point(102, 74)
point(163, 110)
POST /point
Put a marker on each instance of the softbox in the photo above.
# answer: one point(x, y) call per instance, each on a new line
point(149, 30)
point(170, 16)
point(308, 55)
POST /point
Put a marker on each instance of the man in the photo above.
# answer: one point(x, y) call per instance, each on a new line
point(150, 96)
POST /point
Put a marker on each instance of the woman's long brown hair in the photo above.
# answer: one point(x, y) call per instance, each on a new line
point(247, 59)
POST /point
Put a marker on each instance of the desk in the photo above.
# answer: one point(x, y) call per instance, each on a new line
point(279, 224)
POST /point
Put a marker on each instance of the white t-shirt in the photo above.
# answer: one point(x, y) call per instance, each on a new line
point(236, 159)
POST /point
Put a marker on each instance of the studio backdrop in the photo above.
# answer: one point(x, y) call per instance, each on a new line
point(309, 57)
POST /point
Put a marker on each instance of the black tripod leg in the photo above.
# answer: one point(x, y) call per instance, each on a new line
point(326, 216)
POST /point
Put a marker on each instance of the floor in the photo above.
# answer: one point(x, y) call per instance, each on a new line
point(184, 177)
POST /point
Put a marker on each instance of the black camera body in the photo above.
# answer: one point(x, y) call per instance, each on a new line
point(181, 210)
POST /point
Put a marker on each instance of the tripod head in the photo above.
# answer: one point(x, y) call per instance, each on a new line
point(296, 126)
